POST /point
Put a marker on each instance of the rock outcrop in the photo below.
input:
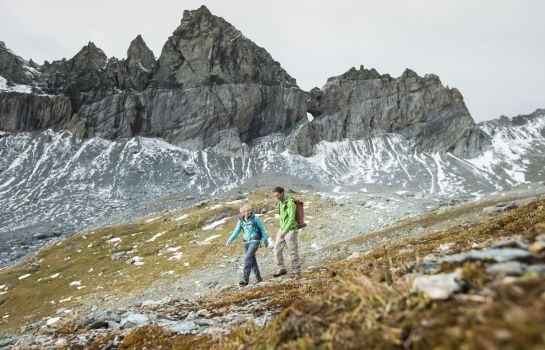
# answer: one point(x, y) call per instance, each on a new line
point(137, 70)
point(206, 50)
point(213, 87)
point(14, 69)
point(362, 103)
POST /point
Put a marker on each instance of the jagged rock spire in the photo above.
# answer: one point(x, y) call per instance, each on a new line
point(207, 50)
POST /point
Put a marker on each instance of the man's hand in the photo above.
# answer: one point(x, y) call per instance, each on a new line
point(266, 245)
point(283, 234)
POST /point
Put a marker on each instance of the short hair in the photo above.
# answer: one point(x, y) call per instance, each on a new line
point(244, 207)
point(278, 189)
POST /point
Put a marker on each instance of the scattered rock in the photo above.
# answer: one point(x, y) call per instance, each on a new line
point(98, 324)
point(191, 316)
point(118, 255)
point(163, 301)
point(492, 254)
point(185, 327)
point(203, 313)
point(204, 322)
point(440, 286)
point(514, 242)
point(215, 330)
point(4, 343)
point(510, 268)
point(135, 260)
point(134, 320)
point(52, 321)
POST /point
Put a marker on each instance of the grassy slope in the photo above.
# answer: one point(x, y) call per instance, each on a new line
point(37, 296)
point(367, 303)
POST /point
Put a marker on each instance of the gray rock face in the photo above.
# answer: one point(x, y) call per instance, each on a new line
point(362, 103)
point(15, 69)
point(213, 87)
point(137, 70)
point(19, 111)
point(206, 50)
point(83, 73)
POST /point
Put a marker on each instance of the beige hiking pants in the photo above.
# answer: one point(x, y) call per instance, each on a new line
point(290, 239)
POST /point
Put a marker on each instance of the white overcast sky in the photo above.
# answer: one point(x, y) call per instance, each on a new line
point(493, 51)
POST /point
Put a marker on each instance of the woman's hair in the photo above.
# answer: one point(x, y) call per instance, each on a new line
point(244, 207)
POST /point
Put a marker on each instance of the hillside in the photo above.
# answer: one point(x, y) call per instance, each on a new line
point(176, 277)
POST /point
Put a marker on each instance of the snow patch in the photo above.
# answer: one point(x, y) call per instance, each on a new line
point(181, 217)
point(214, 224)
point(209, 239)
point(176, 256)
point(152, 239)
point(152, 219)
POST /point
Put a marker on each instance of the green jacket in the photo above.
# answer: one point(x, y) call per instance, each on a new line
point(286, 209)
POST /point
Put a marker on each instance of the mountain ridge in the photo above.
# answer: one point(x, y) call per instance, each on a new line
point(212, 87)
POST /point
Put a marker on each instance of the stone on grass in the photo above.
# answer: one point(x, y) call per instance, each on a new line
point(191, 316)
point(440, 286)
point(163, 301)
point(492, 254)
point(134, 320)
point(184, 327)
point(215, 330)
point(52, 321)
point(118, 255)
point(509, 268)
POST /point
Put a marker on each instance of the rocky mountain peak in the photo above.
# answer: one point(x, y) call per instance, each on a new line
point(136, 71)
point(408, 73)
point(89, 57)
point(359, 74)
point(206, 50)
point(13, 68)
point(202, 13)
point(139, 51)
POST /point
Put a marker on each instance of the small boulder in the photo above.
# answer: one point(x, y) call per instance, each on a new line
point(510, 268)
point(118, 255)
point(184, 327)
point(191, 316)
point(440, 286)
point(492, 254)
point(134, 320)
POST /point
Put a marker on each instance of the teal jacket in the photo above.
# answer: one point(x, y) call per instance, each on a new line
point(250, 230)
point(286, 209)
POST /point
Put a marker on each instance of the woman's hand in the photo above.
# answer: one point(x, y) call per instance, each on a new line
point(266, 245)
point(227, 244)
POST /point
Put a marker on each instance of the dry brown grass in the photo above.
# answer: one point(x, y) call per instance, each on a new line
point(369, 304)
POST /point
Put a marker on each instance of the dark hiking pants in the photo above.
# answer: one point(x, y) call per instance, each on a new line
point(250, 262)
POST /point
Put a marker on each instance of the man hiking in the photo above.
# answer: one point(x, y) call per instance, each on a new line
point(287, 235)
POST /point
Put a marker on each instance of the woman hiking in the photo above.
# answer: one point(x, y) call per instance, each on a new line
point(253, 232)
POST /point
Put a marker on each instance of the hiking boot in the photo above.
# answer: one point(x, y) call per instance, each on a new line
point(242, 283)
point(279, 273)
point(259, 280)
